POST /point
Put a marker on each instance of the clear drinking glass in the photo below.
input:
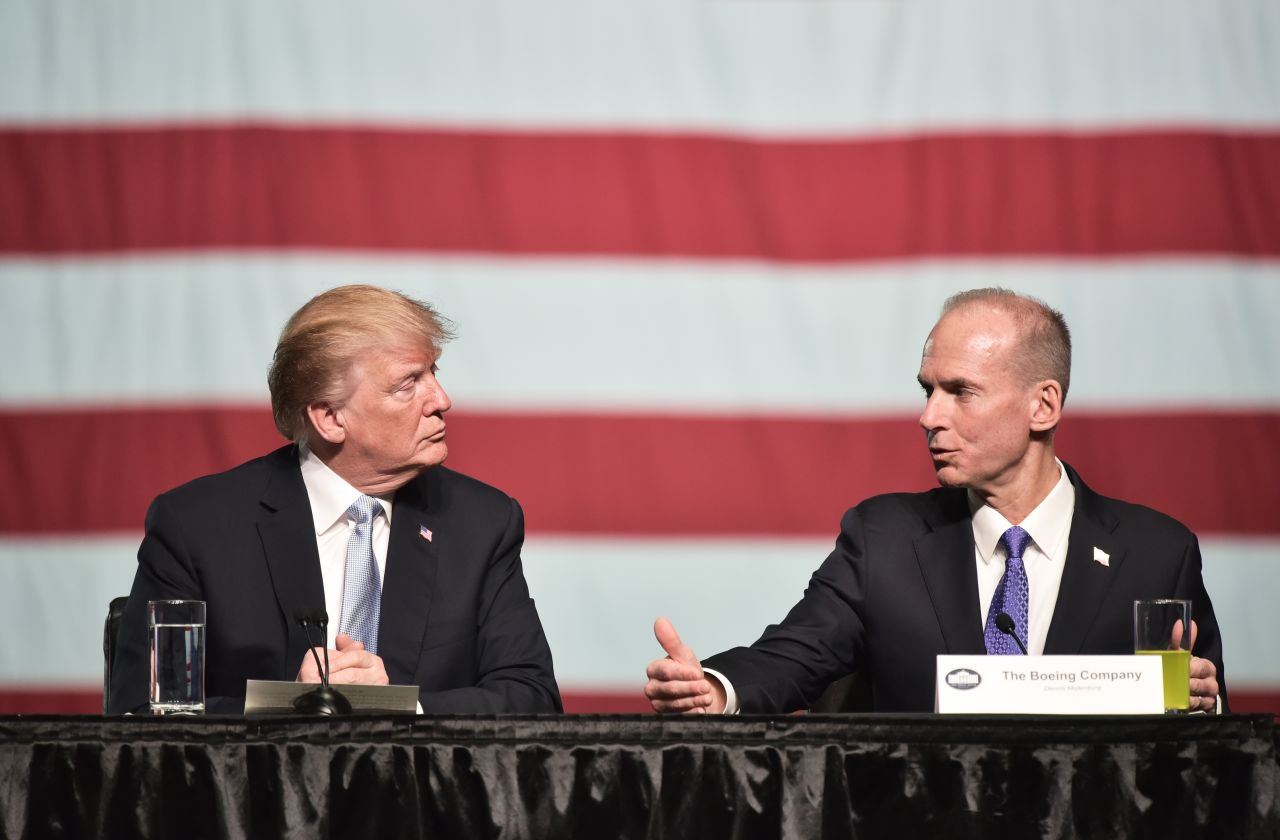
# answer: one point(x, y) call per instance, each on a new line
point(1162, 627)
point(177, 656)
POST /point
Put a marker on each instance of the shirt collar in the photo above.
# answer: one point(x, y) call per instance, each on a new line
point(1047, 525)
point(329, 493)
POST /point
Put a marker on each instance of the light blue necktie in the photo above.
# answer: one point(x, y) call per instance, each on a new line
point(1011, 596)
point(361, 586)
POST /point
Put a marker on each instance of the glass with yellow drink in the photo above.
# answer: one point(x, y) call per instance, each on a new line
point(1162, 627)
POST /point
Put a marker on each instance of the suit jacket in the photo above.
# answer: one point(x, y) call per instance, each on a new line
point(901, 588)
point(456, 620)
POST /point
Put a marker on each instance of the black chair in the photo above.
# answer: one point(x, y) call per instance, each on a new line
point(110, 630)
point(844, 696)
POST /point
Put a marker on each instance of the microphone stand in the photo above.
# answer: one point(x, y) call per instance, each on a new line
point(324, 699)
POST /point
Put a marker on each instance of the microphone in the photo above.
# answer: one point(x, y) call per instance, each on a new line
point(321, 619)
point(324, 700)
point(1004, 623)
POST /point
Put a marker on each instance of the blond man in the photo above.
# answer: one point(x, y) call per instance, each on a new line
point(417, 566)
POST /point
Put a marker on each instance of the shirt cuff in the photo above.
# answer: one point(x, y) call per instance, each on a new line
point(730, 696)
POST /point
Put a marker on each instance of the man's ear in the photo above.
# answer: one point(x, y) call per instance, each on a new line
point(1046, 411)
point(327, 421)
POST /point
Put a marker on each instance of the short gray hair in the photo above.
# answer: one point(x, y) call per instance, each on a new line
point(1046, 341)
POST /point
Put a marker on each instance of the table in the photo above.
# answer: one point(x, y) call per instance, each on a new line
point(592, 776)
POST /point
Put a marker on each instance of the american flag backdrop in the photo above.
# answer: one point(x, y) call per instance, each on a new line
point(692, 251)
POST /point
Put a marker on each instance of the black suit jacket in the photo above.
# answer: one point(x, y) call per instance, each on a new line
point(901, 588)
point(456, 620)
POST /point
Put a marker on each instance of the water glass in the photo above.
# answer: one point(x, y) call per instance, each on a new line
point(1162, 627)
point(177, 656)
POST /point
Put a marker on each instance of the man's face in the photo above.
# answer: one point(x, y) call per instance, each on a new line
point(978, 411)
point(394, 418)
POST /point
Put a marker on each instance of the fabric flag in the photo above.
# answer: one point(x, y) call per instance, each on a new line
point(692, 252)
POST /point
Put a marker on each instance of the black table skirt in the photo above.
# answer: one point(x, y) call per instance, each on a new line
point(640, 776)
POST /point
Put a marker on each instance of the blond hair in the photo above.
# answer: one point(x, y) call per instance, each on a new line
point(1046, 341)
point(323, 340)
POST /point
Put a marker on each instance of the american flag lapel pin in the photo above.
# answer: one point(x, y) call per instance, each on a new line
point(1101, 557)
point(424, 532)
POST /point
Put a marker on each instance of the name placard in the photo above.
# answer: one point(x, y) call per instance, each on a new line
point(1050, 685)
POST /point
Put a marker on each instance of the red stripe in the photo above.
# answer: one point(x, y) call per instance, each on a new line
point(89, 471)
point(258, 186)
point(50, 701)
point(89, 702)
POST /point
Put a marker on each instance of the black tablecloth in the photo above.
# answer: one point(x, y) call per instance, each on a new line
point(603, 776)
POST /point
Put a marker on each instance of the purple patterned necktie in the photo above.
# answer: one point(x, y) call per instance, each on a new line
point(1010, 597)
point(361, 588)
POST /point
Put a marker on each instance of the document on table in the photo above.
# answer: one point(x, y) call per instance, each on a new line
point(275, 697)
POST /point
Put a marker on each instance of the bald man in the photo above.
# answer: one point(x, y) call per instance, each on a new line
point(1010, 530)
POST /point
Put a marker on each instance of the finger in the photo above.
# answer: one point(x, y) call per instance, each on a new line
point(669, 669)
point(374, 673)
point(672, 690)
point(344, 642)
point(667, 636)
point(1207, 702)
point(347, 676)
point(359, 676)
point(1205, 687)
point(683, 704)
point(1175, 637)
point(341, 660)
point(308, 672)
point(1202, 668)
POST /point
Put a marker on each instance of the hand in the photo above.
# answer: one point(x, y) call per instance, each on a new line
point(349, 664)
point(1204, 680)
point(676, 682)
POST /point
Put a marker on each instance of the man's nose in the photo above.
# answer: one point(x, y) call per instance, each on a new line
point(930, 418)
point(439, 402)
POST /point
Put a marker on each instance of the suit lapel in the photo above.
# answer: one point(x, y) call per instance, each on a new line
point(1084, 580)
point(945, 556)
point(288, 536)
point(412, 560)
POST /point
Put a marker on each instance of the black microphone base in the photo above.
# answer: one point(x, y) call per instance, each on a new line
point(323, 701)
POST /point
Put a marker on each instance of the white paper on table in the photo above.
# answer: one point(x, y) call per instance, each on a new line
point(276, 697)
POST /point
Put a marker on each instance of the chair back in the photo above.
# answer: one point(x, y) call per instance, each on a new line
point(110, 632)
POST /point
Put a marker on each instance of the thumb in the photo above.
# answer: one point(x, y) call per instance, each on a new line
point(666, 634)
point(345, 642)
point(1194, 630)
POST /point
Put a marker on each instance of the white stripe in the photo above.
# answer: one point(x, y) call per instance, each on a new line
point(794, 68)
point(646, 336)
point(597, 598)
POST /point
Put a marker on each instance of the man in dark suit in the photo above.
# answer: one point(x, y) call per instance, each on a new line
point(1012, 529)
point(418, 566)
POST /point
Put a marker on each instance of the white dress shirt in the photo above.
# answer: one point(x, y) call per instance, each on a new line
point(1049, 527)
point(1045, 556)
point(330, 496)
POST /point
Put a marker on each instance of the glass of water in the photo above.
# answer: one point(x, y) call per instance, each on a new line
point(1162, 627)
point(177, 656)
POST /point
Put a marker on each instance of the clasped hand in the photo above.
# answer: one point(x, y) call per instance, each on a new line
point(349, 664)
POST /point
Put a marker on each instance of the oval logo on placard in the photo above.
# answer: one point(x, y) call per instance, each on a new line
point(964, 679)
